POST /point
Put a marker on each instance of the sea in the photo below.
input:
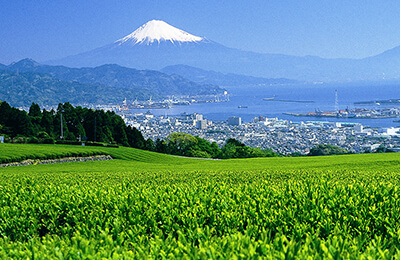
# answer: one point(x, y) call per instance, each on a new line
point(323, 97)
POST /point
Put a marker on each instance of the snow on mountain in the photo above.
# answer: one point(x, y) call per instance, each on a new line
point(158, 31)
point(157, 44)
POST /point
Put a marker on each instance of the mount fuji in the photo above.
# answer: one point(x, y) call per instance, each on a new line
point(156, 45)
point(158, 31)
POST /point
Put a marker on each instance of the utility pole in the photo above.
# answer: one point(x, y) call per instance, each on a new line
point(95, 118)
point(61, 125)
point(62, 132)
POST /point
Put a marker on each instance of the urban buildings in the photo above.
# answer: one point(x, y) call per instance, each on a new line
point(281, 136)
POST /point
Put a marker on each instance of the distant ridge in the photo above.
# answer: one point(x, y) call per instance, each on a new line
point(217, 78)
point(156, 45)
point(49, 85)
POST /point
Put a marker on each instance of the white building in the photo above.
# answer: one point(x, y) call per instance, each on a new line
point(389, 131)
point(201, 124)
point(371, 147)
point(198, 116)
point(358, 128)
point(234, 120)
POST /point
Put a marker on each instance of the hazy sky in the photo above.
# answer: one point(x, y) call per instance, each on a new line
point(50, 29)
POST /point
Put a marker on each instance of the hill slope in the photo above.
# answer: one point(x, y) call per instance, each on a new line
point(48, 85)
point(21, 89)
point(308, 208)
point(19, 152)
point(217, 78)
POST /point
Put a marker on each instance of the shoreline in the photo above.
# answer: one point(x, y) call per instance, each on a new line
point(334, 116)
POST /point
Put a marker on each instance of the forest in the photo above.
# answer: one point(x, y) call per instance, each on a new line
point(78, 124)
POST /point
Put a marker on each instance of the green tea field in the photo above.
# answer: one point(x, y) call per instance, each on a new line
point(144, 205)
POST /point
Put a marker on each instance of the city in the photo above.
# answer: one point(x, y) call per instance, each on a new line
point(281, 136)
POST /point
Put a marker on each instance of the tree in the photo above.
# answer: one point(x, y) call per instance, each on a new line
point(327, 149)
point(180, 143)
point(97, 125)
point(296, 154)
point(47, 122)
point(235, 149)
point(61, 131)
point(149, 145)
point(15, 121)
point(135, 138)
point(383, 149)
point(161, 146)
point(228, 151)
point(34, 110)
point(234, 142)
point(119, 133)
point(211, 149)
point(198, 153)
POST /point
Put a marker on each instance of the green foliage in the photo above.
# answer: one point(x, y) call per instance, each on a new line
point(161, 146)
point(33, 140)
point(296, 154)
point(327, 149)
point(135, 137)
point(149, 144)
point(34, 110)
point(235, 149)
point(141, 207)
point(77, 122)
point(14, 121)
point(187, 145)
point(211, 149)
point(180, 143)
point(198, 153)
point(383, 149)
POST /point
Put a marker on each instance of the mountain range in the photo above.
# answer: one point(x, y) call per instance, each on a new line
point(217, 78)
point(156, 45)
point(27, 81)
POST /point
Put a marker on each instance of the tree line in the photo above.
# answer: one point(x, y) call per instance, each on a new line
point(193, 146)
point(67, 123)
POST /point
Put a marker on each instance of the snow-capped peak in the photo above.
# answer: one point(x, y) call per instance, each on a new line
point(158, 31)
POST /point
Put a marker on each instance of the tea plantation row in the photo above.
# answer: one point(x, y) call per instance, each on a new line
point(156, 206)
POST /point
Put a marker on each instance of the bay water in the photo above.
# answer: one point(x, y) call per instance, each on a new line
point(251, 99)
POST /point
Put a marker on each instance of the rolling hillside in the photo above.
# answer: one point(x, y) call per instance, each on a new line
point(147, 205)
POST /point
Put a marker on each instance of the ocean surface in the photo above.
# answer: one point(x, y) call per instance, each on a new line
point(323, 96)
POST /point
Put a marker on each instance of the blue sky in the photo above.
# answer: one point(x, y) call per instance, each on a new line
point(45, 30)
